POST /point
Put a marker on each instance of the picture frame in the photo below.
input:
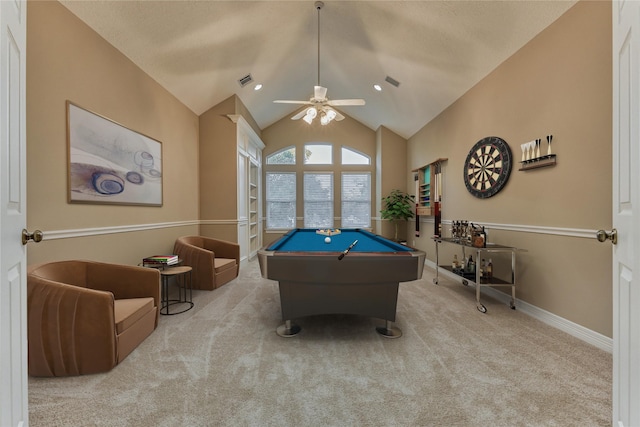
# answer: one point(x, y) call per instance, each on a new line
point(109, 163)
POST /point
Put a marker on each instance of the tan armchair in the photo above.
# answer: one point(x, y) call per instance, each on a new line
point(85, 317)
point(214, 262)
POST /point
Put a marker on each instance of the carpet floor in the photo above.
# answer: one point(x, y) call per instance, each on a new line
point(222, 364)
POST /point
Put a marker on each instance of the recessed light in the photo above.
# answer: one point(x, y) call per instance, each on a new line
point(258, 87)
point(377, 87)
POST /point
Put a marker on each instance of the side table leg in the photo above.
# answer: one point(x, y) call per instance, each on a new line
point(164, 291)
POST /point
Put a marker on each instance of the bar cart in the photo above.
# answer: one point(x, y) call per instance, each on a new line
point(475, 278)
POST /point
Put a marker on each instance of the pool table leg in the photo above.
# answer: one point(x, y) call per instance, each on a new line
point(388, 330)
point(288, 329)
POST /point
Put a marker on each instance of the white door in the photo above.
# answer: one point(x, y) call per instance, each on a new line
point(626, 213)
point(13, 301)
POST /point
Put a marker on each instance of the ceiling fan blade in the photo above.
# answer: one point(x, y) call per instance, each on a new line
point(300, 115)
point(319, 92)
point(283, 101)
point(338, 116)
point(343, 102)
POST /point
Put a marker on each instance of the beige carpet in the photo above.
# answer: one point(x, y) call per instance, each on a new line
point(222, 364)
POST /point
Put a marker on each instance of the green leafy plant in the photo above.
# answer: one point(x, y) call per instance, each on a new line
point(398, 206)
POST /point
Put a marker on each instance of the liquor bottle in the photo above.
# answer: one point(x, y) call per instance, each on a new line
point(489, 270)
point(483, 269)
point(472, 265)
point(455, 264)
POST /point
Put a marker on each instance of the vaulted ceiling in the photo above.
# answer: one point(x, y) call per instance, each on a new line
point(436, 50)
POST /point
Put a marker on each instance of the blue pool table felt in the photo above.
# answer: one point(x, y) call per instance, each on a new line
point(307, 240)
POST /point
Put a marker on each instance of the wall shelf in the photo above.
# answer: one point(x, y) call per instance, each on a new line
point(539, 162)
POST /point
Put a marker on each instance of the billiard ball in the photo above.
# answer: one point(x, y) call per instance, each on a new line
point(327, 239)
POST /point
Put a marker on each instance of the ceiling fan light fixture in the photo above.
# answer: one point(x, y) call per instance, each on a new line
point(331, 114)
point(324, 119)
point(312, 112)
point(310, 115)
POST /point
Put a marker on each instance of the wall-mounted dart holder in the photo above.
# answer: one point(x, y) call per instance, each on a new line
point(532, 158)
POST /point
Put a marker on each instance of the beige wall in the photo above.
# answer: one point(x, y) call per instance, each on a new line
point(391, 167)
point(559, 84)
point(218, 172)
point(68, 61)
point(218, 159)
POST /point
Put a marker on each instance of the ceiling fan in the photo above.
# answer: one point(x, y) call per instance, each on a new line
point(320, 105)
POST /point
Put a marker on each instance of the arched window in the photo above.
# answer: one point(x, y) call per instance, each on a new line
point(318, 154)
point(353, 157)
point(286, 156)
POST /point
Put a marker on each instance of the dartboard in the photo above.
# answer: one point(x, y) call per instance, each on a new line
point(487, 167)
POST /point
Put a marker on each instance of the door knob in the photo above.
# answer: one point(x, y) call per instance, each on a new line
point(602, 236)
point(36, 236)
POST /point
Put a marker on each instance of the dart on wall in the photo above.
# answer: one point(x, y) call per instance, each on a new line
point(532, 157)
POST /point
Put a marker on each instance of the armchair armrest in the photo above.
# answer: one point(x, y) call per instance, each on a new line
point(71, 329)
point(200, 260)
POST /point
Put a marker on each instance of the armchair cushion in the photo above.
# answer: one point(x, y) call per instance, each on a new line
point(222, 264)
point(128, 311)
point(214, 261)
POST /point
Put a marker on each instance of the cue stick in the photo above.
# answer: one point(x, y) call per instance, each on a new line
point(346, 251)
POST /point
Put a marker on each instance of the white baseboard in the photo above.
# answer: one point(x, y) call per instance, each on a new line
point(587, 335)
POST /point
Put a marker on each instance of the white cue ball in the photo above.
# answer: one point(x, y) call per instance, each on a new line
point(327, 239)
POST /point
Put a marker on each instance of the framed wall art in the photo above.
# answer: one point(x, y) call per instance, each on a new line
point(109, 163)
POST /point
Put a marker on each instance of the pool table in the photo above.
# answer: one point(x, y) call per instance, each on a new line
point(316, 277)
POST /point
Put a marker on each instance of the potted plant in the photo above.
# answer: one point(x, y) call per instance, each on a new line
point(397, 206)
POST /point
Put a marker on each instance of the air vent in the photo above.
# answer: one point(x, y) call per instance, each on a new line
point(392, 81)
point(245, 80)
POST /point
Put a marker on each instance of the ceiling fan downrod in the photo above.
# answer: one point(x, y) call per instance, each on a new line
point(319, 5)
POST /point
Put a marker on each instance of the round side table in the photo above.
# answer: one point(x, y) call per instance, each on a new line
point(182, 275)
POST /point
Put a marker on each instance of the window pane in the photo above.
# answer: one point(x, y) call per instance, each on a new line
point(283, 157)
point(281, 215)
point(318, 214)
point(356, 199)
point(281, 200)
point(352, 157)
point(317, 154)
point(356, 214)
point(318, 200)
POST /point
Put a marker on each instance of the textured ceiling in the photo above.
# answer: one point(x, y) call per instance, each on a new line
point(437, 50)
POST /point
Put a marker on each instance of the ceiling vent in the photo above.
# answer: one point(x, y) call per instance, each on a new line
point(392, 81)
point(245, 80)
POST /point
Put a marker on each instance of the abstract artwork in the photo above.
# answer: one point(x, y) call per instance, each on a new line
point(109, 163)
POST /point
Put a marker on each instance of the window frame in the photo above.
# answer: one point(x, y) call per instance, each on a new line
point(343, 200)
point(267, 201)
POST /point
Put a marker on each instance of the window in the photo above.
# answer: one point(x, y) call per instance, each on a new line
point(318, 200)
point(356, 199)
point(281, 200)
point(352, 157)
point(305, 193)
point(286, 156)
point(318, 154)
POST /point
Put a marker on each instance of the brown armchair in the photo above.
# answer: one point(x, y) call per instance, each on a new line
point(214, 262)
point(85, 317)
